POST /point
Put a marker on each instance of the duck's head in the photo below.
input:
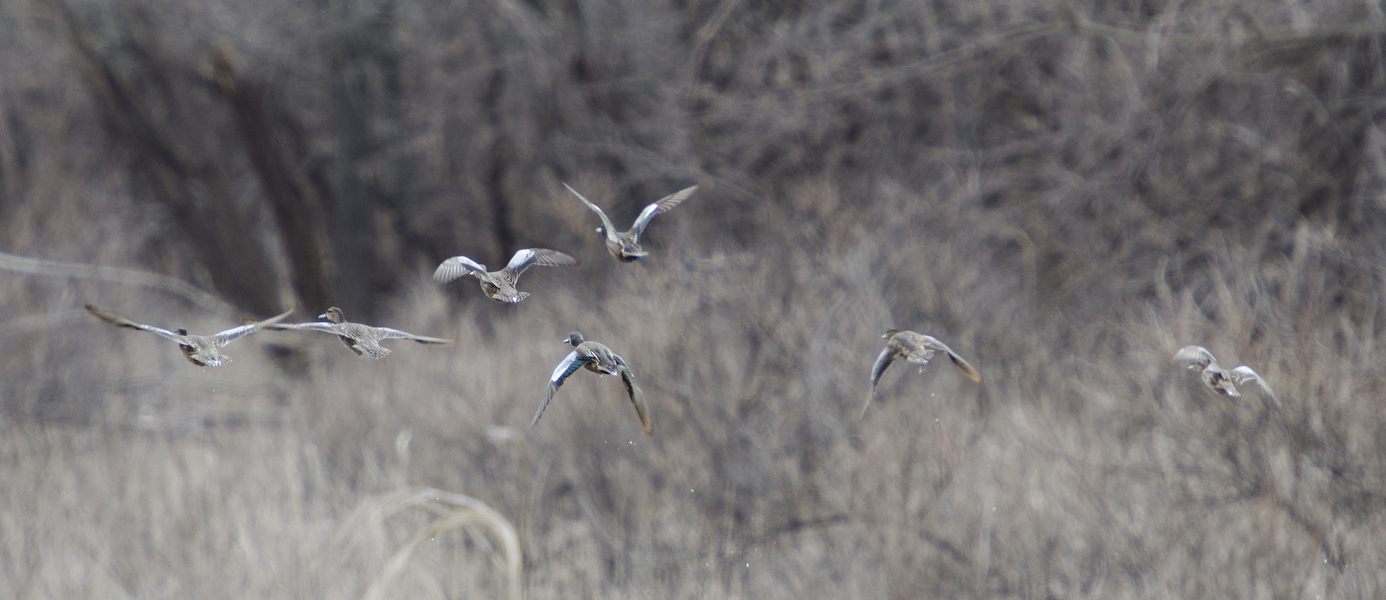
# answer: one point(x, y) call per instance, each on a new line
point(204, 357)
point(333, 315)
point(574, 339)
point(890, 333)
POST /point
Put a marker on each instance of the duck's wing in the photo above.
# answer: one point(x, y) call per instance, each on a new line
point(1243, 374)
point(882, 363)
point(457, 266)
point(566, 367)
point(225, 337)
point(637, 399)
point(967, 369)
point(123, 322)
point(1195, 355)
point(607, 228)
point(659, 206)
point(543, 257)
point(386, 333)
point(323, 326)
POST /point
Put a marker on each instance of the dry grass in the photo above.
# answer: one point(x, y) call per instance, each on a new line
point(1065, 193)
point(1100, 469)
point(454, 511)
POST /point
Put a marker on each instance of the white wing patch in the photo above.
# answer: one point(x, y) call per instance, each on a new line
point(521, 260)
point(1195, 355)
point(455, 267)
point(565, 368)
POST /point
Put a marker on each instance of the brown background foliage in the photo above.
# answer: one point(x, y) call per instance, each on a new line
point(1063, 191)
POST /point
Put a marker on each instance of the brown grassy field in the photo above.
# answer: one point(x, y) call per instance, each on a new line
point(1063, 192)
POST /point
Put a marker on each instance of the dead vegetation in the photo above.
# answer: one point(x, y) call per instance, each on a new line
point(1066, 192)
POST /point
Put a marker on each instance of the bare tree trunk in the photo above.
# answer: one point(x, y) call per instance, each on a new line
point(296, 206)
point(499, 162)
point(363, 67)
point(193, 191)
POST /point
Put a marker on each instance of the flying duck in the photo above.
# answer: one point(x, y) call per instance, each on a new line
point(601, 360)
point(626, 246)
point(1215, 377)
point(916, 348)
point(361, 339)
point(500, 285)
point(201, 350)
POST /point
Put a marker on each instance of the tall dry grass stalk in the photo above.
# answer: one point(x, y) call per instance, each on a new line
point(454, 511)
point(502, 435)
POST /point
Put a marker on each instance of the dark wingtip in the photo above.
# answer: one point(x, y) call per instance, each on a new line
point(867, 405)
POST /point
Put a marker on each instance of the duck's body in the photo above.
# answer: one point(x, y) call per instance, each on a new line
point(201, 350)
point(361, 339)
point(625, 247)
point(500, 285)
point(599, 359)
point(1215, 377)
point(918, 349)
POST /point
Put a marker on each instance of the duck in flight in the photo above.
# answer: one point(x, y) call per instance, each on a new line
point(500, 285)
point(361, 339)
point(916, 348)
point(1215, 377)
point(626, 246)
point(201, 350)
point(601, 360)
